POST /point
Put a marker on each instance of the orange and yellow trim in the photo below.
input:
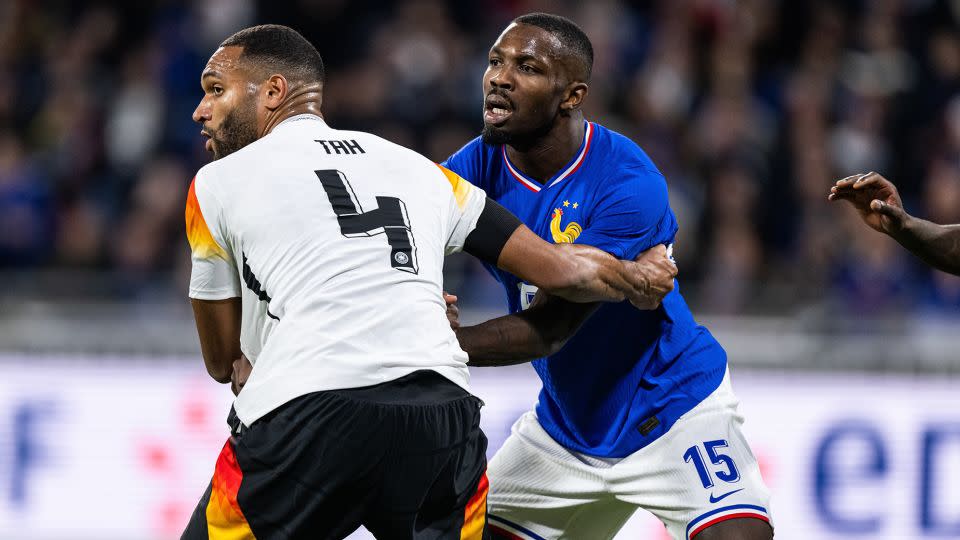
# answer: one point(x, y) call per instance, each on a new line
point(225, 520)
point(201, 240)
point(475, 513)
point(461, 188)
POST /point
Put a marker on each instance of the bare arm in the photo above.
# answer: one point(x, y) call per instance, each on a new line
point(585, 274)
point(576, 272)
point(936, 245)
point(543, 328)
point(539, 331)
point(218, 325)
point(878, 203)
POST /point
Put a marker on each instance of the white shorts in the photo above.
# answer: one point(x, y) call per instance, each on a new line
point(697, 474)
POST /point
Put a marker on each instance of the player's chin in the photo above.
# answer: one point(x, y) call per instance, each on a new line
point(495, 134)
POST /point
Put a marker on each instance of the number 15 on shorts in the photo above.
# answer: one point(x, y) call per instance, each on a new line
point(724, 468)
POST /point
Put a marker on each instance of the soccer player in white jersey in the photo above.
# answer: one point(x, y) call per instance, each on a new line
point(318, 253)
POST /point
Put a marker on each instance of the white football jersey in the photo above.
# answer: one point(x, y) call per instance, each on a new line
point(335, 242)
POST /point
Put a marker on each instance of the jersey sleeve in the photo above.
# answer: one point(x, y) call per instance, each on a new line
point(633, 217)
point(214, 273)
point(466, 204)
point(468, 163)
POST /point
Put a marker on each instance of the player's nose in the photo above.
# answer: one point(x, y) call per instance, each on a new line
point(498, 78)
point(202, 113)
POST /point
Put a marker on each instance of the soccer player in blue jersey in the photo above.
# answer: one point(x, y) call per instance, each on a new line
point(636, 409)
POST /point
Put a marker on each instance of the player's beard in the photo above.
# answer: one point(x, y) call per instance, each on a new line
point(494, 135)
point(238, 130)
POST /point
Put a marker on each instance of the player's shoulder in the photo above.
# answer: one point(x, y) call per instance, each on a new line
point(384, 148)
point(208, 184)
point(380, 142)
point(623, 153)
point(414, 166)
point(242, 160)
point(206, 179)
point(628, 172)
point(209, 172)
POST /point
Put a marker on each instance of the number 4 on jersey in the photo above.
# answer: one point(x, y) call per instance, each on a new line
point(390, 217)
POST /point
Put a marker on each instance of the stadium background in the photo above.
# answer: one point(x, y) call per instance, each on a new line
point(844, 349)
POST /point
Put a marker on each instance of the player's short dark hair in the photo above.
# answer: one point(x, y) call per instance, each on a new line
point(279, 49)
point(571, 36)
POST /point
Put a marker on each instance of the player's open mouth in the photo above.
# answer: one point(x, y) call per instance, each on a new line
point(208, 144)
point(496, 110)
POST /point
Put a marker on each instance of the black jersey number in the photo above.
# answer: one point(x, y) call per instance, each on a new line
point(390, 218)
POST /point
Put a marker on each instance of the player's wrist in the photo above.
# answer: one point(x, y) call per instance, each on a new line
point(645, 278)
point(907, 230)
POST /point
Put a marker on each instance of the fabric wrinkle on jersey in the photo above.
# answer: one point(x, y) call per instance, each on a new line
point(627, 375)
point(299, 224)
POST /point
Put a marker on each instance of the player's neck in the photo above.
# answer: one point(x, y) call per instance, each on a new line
point(303, 99)
point(544, 156)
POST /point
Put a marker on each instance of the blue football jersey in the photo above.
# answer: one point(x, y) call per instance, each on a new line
point(626, 377)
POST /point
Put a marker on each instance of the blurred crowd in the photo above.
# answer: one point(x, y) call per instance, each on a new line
point(750, 108)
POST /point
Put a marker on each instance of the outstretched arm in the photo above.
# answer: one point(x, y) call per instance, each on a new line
point(936, 245)
point(575, 272)
point(543, 328)
point(877, 201)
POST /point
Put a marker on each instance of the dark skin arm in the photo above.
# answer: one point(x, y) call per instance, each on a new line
point(581, 273)
point(544, 328)
point(218, 325)
point(536, 332)
point(878, 203)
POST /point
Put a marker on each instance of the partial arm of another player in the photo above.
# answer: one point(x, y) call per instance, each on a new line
point(575, 272)
point(218, 325)
point(543, 328)
point(877, 201)
point(536, 332)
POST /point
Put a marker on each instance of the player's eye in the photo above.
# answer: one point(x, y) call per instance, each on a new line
point(217, 90)
point(526, 68)
point(495, 62)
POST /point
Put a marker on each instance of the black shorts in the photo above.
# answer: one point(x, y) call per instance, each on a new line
point(406, 459)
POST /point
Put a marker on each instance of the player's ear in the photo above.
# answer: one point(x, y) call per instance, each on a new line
point(573, 96)
point(274, 91)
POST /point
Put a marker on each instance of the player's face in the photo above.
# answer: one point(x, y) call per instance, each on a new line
point(523, 85)
point(227, 112)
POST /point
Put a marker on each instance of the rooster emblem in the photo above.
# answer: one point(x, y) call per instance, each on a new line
point(567, 235)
